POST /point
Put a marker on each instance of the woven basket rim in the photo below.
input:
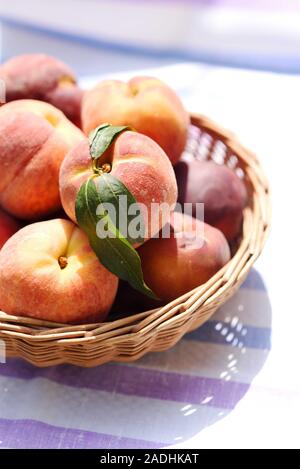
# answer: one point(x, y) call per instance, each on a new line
point(45, 343)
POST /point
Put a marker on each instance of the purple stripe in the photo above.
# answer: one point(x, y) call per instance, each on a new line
point(26, 434)
point(254, 281)
point(135, 381)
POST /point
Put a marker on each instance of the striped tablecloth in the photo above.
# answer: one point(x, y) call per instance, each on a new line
point(232, 383)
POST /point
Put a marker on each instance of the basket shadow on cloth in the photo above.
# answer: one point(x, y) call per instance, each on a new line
point(129, 338)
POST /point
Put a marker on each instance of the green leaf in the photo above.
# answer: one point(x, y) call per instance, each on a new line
point(93, 133)
point(113, 250)
point(102, 137)
point(112, 191)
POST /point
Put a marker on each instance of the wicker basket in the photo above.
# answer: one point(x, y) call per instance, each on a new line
point(129, 338)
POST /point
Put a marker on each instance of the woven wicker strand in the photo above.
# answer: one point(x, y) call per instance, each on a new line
point(129, 338)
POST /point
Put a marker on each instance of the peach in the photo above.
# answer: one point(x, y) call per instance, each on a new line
point(138, 162)
point(48, 271)
point(221, 191)
point(34, 139)
point(192, 254)
point(146, 104)
point(8, 227)
point(42, 77)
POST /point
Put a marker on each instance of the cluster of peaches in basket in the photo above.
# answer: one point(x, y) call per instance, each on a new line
point(64, 154)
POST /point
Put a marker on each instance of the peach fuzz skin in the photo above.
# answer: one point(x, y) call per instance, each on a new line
point(175, 265)
point(136, 160)
point(40, 76)
point(34, 284)
point(8, 227)
point(34, 139)
point(146, 104)
point(222, 192)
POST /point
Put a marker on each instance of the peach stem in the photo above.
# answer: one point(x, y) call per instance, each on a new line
point(105, 168)
point(63, 262)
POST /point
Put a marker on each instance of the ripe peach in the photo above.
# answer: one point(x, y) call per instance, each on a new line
point(146, 104)
point(137, 161)
point(48, 271)
point(8, 227)
point(34, 139)
point(221, 191)
point(192, 254)
point(40, 76)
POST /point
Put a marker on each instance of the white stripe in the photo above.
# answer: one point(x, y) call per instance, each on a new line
point(208, 360)
point(251, 307)
point(97, 411)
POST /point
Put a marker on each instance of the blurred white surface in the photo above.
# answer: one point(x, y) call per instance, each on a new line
point(260, 34)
